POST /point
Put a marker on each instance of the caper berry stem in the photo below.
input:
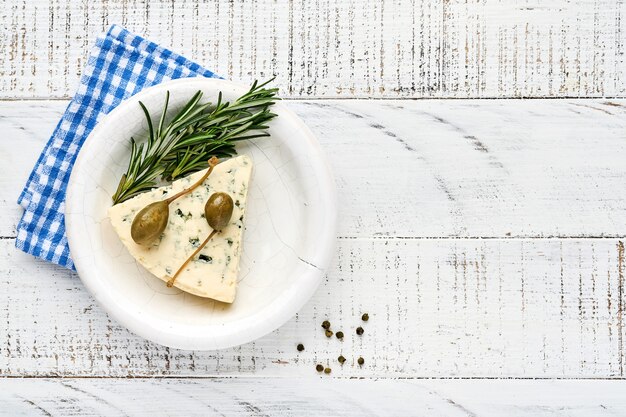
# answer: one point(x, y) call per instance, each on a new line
point(151, 221)
point(212, 163)
point(218, 210)
point(171, 281)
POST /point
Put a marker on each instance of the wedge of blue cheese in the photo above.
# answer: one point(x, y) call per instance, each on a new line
point(213, 272)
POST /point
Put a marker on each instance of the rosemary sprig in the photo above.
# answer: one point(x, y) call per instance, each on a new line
point(195, 134)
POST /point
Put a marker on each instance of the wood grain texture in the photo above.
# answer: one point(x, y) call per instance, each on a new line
point(467, 308)
point(309, 398)
point(430, 169)
point(330, 48)
point(484, 238)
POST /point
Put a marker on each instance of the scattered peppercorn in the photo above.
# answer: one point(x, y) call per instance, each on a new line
point(319, 368)
point(359, 330)
point(360, 361)
point(365, 317)
point(300, 347)
point(339, 335)
point(326, 324)
point(341, 359)
point(329, 333)
point(327, 370)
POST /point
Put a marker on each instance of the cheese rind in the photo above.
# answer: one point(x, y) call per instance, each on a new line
point(213, 272)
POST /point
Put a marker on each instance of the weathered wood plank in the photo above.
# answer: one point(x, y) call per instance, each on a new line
point(492, 301)
point(330, 48)
point(534, 48)
point(438, 307)
point(449, 168)
point(310, 397)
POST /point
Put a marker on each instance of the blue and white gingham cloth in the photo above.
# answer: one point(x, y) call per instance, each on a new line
point(120, 65)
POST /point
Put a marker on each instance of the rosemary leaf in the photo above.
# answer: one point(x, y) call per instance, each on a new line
point(185, 143)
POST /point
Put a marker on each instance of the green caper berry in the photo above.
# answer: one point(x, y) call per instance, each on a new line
point(341, 359)
point(359, 330)
point(329, 333)
point(150, 222)
point(326, 324)
point(339, 335)
point(365, 317)
point(218, 210)
point(327, 370)
point(360, 361)
point(319, 368)
point(300, 347)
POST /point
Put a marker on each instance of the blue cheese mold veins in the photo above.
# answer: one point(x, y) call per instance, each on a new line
point(213, 273)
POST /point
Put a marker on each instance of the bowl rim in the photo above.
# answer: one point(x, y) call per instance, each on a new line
point(248, 328)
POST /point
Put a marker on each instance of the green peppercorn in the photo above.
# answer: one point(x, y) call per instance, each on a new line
point(360, 361)
point(326, 324)
point(328, 333)
point(300, 347)
point(339, 335)
point(327, 370)
point(359, 330)
point(319, 368)
point(341, 359)
point(365, 317)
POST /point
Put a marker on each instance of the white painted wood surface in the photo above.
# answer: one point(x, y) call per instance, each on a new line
point(332, 48)
point(484, 237)
point(424, 169)
point(439, 308)
point(495, 248)
point(297, 397)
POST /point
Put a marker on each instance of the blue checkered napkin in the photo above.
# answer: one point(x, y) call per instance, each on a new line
point(120, 65)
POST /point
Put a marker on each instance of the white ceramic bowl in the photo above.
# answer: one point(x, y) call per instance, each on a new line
point(288, 242)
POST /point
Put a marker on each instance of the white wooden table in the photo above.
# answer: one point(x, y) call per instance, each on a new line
point(485, 238)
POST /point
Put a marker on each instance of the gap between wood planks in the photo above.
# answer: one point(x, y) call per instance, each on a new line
point(324, 98)
point(578, 237)
point(377, 378)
